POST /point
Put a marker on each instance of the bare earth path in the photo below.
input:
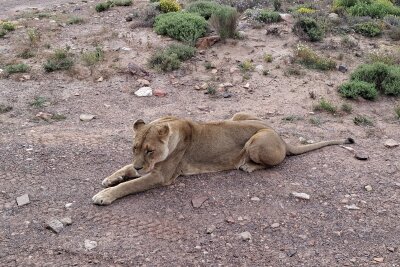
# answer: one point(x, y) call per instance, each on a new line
point(64, 162)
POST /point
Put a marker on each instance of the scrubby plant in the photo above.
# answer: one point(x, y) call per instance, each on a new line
point(372, 8)
point(8, 26)
point(305, 10)
point(182, 26)
point(312, 60)
point(33, 36)
point(170, 58)
point(60, 60)
point(374, 73)
point(58, 117)
point(75, 20)
point(101, 7)
point(325, 105)
point(268, 16)
point(268, 58)
point(389, 58)
point(5, 108)
point(392, 20)
point(362, 120)
point(2, 33)
point(246, 65)
point(277, 5)
point(204, 8)
point(169, 6)
point(346, 107)
point(355, 89)
point(92, 57)
point(38, 102)
point(397, 111)
point(309, 27)
point(16, 68)
point(147, 16)
point(368, 29)
point(394, 33)
point(122, 2)
point(225, 21)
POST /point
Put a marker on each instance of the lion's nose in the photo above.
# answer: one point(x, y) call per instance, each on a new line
point(138, 168)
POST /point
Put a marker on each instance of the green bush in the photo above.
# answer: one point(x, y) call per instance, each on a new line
point(204, 8)
point(391, 85)
point(8, 26)
point(372, 8)
point(60, 60)
point(224, 21)
point(268, 16)
point(312, 60)
point(361, 120)
point(16, 68)
point(368, 29)
point(103, 6)
point(310, 27)
point(3, 33)
point(182, 26)
point(354, 89)
point(170, 58)
point(325, 105)
point(92, 57)
point(169, 6)
point(122, 2)
point(374, 73)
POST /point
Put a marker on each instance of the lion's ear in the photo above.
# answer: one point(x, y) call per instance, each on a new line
point(163, 131)
point(138, 124)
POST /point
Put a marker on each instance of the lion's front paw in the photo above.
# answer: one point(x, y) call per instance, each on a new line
point(104, 197)
point(250, 167)
point(112, 180)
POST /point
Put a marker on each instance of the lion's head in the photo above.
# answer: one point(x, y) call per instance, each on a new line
point(150, 145)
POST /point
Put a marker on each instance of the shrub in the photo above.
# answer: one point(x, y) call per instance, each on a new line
point(103, 6)
point(186, 27)
point(392, 20)
point(391, 84)
point(374, 73)
point(16, 68)
point(268, 16)
point(361, 120)
point(384, 57)
point(92, 57)
point(309, 27)
point(3, 33)
point(394, 33)
point(354, 89)
point(397, 111)
point(324, 105)
point(169, 6)
point(75, 20)
point(305, 10)
point(246, 65)
point(242, 5)
point(39, 102)
point(5, 108)
point(27, 53)
point(170, 58)
point(204, 8)
point(60, 60)
point(8, 26)
point(277, 4)
point(224, 21)
point(312, 60)
point(147, 16)
point(368, 29)
point(33, 36)
point(268, 58)
point(374, 8)
point(346, 108)
point(122, 2)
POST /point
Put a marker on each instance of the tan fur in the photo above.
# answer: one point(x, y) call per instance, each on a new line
point(169, 147)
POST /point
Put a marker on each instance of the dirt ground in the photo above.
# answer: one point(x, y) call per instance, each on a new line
point(61, 163)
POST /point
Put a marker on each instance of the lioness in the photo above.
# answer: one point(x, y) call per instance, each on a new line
point(169, 147)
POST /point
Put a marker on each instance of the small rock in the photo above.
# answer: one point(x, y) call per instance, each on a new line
point(26, 77)
point(89, 244)
point(287, 17)
point(86, 117)
point(361, 155)
point(23, 200)
point(214, 71)
point(391, 143)
point(224, 85)
point(378, 259)
point(255, 199)
point(275, 225)
point(198, 201)
point(68, 205)
point(129, 18)
point(126, 49)
point(301, 195)
point(226, 95)
point(197, 247)
point(351, 207)
point(66, 221)
point(143, 82)
point(204, 86)
point(44, 116)
point(391, 249)
point(229, 219)
point(144, 91)
point(206, 42)
point(259, 68)
point(210, 229)
point(55, 225)
point(245, 236)
point(100, 79)
point(196, 87)
point(247, 86)
point(368, 188)
point(291, 252)
point(342, 68)
point(159, 92)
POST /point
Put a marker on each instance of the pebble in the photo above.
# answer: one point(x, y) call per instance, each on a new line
point(143, 82)
point(214, 71)
point(275, 225)
point(368, 188)
point(301, 195)
point(89, 244)
point(351, 207)
point(126, 49)
point(100, 79)
point(198, 201)
point(247, 86)
point(144, 91)
point(210, 229)
point(391, 249)
point(246, 236)
point(86, 117)
point(287, 17)
point(68, 205)
point(226, 95)
point(342, 68)
point(378, 259)
point(229, 219)
point(55, 225)
point(66, 221)
point(44, 116)
point(255, 199)
point(23, 200)
point(391, 143)
point(159, 92)
point(360, 155)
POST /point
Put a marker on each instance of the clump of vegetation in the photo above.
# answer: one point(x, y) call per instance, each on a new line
point(372, 8)
point(268, 58)
point(309, 27)
point(355, 89)
point(306, 10)
point(147, 16)
point(224, 21)
point(325, 105)
point(389, 58)
point(75, 20)
point(394, 33)
point(268, 16)
point(101, 7)
point(347, 108)
point(122, 2)
point(60, 60)
point(16, 68)
point(208, 65)
point(312, 60)
point(5, 108)
point(348, 42)
point(204, 8)
point(8, 26)
point(277, 5)
point(171, 57)
point(361, 120)
point(246, 65)
point(368, 29)
point(397, 111)
point(92, 57)
point(33, 36)
point(316, 121)
point(182, 26)
point(58, 117)
point(292, 71)
point(292, 118)
point(27, 53)
point(2, 33)
point(39, 102)
point(169, 6)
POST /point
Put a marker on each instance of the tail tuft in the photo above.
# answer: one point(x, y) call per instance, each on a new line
point(349, 141)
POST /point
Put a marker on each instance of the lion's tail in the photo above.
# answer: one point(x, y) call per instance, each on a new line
point(296, 150)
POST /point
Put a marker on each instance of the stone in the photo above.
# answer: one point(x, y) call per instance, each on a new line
point(198, 201)
point(55, 225)
point(144, 91)
point(196, 87)
point(245, 236)
point(342, 68)
point(44, 116)
point(378, 259)
point(255, 199)
point(368, 188)
point(229, 219)
point(129, 18)
point(89, 244)
point(204, 86)
point(68, 205)
point(259, 68)
point(23, 200)
point(207, 42)
point(361, 155)
point(275, 225)
point(301, 195)
point(143, 82)
point(159, 92)
point(390, 143)
point(66, 221)
point(224, 85)
point(214, 71)
point(226, 95)
point(247, 86)
point(391, 249)
point(210, 229)
point(86, 117)
point(351, 207)
point(135, 69)
point(126, 49)
point(287, 17)
point(100, 79)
